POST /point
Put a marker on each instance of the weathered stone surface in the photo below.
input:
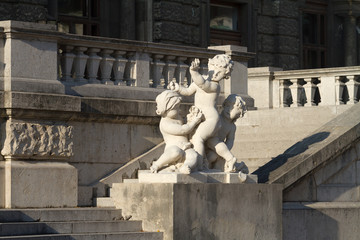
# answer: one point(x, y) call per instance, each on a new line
point(289, 45)
point(287, 26)
point(29, 11)
point(284, 8)
point(321, 220)
point(203, 211)
point(266, 25)
point(40, 184)
point(33, 140)
point(287, 61)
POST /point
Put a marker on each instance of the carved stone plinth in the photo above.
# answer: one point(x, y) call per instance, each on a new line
point(203, 210)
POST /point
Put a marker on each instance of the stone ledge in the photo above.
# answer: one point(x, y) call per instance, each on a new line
point(210, 176)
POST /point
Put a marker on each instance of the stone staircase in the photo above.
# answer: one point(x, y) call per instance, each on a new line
point(262, 135)
point(71, 223)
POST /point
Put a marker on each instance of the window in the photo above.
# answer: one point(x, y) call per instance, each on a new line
point(79, 16)
point(225, 23)
point(314, 36)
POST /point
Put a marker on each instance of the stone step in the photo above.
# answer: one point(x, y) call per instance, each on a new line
point(244, 133)
point(104, 202)
point(254, 163)
point(35, 228)
point(93, 236)
point(260, 149)
point(59, 214)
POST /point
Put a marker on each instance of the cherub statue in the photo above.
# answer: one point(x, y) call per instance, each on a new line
point(175, 133)
point(206, 92)
point(234, 107)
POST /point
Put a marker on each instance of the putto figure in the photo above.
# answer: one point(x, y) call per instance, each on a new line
point(234, 107)
point(207, 90)
point(178, 149)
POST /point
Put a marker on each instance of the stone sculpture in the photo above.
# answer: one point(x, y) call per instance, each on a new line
point(234, 107)
point(175, 133)
point(204, 121)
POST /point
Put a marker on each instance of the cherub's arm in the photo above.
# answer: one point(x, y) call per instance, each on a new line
point(180, 129)
point(185, 91)
point(198, 78)
point(230, 137)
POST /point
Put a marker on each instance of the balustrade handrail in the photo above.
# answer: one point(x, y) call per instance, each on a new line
point(305, 87)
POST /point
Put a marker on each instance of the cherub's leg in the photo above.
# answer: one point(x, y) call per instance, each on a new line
point(171, 154)
point(211, 157)
point(191, 161)
point(222, 150)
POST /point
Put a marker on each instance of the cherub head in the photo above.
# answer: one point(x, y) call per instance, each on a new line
point(234, 107)
point(168, 103)
point(220, 66)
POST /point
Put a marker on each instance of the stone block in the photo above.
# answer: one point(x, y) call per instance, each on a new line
point(288, 26)
point(93, 171)
point(2, 184)
point(288, 45)
point(303, 191)
point(203, 211)
point(266, 25)
point(31, 184)
point(209, 176)
point(288, 61)
point(112, 142)
point(321, 221)
point(85, 196)
point(37, 141)
point(338, 193)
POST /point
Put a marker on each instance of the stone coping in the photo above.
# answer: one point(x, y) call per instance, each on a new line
point(209, 176)
point(321, 146)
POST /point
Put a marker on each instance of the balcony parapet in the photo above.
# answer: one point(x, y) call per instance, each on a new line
point(274, 88)
point(37, 58)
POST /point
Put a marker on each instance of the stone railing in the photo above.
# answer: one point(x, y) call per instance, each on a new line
point(126, 63)
point(37, 58)
point(274, 88)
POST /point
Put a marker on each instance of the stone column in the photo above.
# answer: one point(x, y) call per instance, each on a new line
point(127, 23)
point(350, 41)
point(30, 58)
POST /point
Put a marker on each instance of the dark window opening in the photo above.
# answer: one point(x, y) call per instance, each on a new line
point(227, 25)
point(79, 17)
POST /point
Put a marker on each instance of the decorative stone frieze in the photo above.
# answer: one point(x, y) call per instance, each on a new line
point(37, 141)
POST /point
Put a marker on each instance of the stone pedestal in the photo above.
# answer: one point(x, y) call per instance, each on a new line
point(203, 210)
point(31, 184)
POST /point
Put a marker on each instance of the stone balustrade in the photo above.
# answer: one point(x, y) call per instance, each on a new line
point(126, 63)
point(274, 88)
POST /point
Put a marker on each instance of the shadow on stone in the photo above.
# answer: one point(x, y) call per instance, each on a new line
point(297, 149)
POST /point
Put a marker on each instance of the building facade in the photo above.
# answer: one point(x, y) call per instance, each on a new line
point(283, 33)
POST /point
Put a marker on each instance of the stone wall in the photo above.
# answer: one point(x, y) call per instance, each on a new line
point(278, 34)
point(177, 22)
point(23, 10)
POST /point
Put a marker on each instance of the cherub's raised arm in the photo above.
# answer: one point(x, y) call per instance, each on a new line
point(185, 91)
point(197, 77)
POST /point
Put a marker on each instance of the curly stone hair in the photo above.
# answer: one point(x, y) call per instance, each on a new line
point(223, 61)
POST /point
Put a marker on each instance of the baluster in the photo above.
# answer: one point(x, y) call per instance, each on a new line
point(339, 89)
point(295, 92)
point(119, 68)
point(180, 72)
point(283, 93)
point(130, 69)
point(157, 68)
point(106, 66)
point(169, 70)
point(93, 65)
point(310, 88)
point(352, 86)
point(80, 64)
point(204, 66)
point(188, 75)
point(67, 60)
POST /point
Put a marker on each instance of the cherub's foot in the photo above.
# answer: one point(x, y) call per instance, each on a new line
point(242, 177)
point(185, 169)
point(241, 167)
point(154, 168)
point(229, 165)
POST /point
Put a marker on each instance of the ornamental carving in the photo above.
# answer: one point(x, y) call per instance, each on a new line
point(32, 140)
